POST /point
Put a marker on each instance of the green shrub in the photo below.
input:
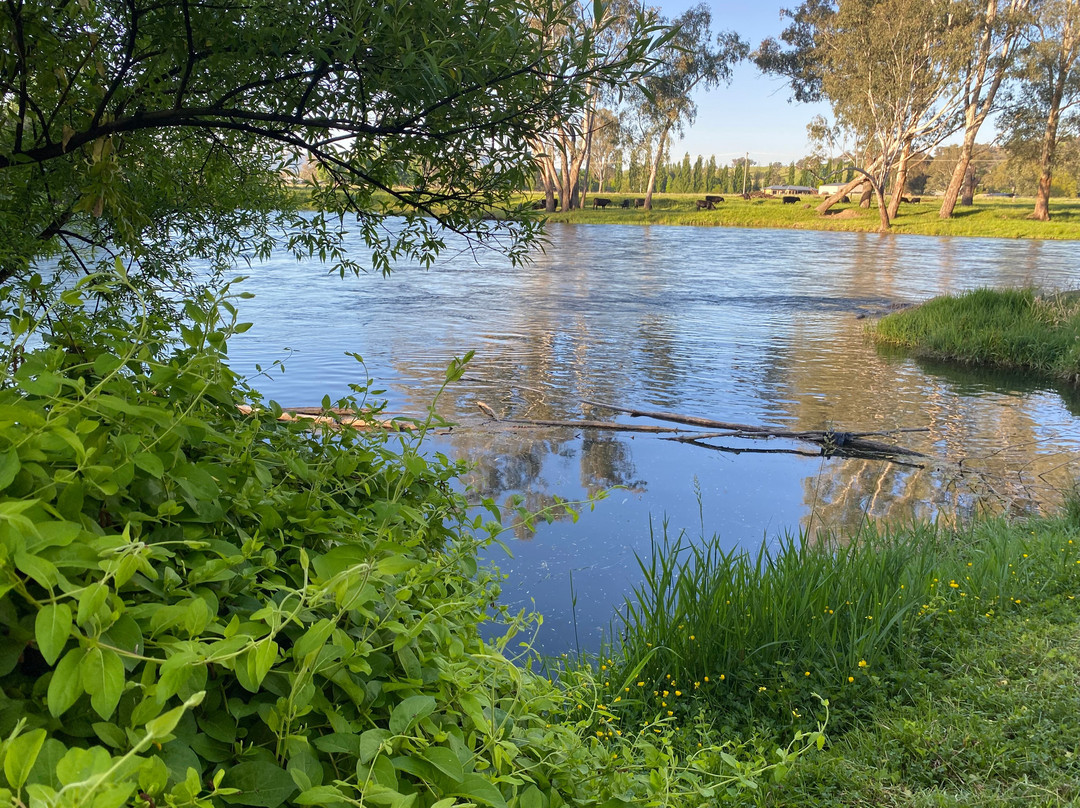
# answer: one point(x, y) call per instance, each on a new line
point(200, 607)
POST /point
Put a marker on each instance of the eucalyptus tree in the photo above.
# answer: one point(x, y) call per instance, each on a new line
point(689, 60)
point(995, 27)
point(1048, 73)
point(886, 67)
point(159, 131)
point(563, 149)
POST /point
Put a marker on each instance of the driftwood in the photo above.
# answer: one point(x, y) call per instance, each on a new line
point(333, 417)
point(832, 442)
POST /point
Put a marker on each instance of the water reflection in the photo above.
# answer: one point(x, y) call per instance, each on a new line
point(750, 326)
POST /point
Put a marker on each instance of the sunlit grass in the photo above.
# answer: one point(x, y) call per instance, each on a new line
point(999, 218)
point(754, 635)
point(1010, 329)
point(988, 217)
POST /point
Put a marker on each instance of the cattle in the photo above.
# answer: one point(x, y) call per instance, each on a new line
point(915, 200)
point(639, 203)
point(845, 199)
point(745, 196)
point(905, 200)
point(790, 200)
point(539, 204)
point(704, 204)
point(625, 203)
point(600, 202)
point(715, 200)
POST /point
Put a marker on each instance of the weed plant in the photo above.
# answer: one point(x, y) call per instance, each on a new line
point(1010, 328)
point(754, 636)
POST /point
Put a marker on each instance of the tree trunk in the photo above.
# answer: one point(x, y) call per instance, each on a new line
point(1046, 157)
point(901, 180)
point(979, 104)
point(655, 167)
point(883, 209)
point(847, 189)
point(967, 196)
point(866, 195)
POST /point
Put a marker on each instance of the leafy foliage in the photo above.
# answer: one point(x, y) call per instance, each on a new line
point(162, 130)
point(202, 607)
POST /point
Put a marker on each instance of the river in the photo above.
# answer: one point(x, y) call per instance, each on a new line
point(749, 326)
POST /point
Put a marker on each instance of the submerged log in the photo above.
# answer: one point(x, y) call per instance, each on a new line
point(334, 417)
point(832, 442)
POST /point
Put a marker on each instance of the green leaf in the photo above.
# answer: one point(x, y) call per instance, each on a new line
point(320, 795)
point(259, 783)
point(103, 679)
point(476, 788)
point(65, 687)
point(22, 752)
point(150, 463)
point(313, 638)
point(409, 711)
point(9, 467)
point(370, 743)
point(52, 627)
point(445, 761)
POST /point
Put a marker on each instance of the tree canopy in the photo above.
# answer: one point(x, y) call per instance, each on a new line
point(159, 130)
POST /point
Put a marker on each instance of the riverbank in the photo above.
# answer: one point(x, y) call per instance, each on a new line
point(988, 217)
point(949, 660)
point(1011, 329)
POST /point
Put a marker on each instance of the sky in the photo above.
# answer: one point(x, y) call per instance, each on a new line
point(753, 113)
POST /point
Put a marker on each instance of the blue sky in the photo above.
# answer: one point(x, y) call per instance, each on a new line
point(753, 114)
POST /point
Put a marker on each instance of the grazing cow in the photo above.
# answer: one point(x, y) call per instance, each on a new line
point(915, 200)
point(905, 200)
point(639, 203)
point(745, 196)
point(714, 200)
point(845, 199)
point(704, 204)
point(539, 204)
point(600, 202)
point(790, 200)
point(625, 203)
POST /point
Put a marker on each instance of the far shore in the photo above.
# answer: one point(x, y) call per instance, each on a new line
point(988, 217)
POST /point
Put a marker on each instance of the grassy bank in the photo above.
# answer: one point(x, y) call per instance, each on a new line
point(949, 661)
point(988, 217)
point(1009, 329)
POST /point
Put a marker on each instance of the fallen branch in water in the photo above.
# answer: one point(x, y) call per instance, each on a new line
point(334, 417)
point(832, 442)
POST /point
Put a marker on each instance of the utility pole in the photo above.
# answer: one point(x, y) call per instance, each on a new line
point(745, 167)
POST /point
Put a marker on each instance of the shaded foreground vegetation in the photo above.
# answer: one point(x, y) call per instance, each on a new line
point(1009, 329)
point(204, 608)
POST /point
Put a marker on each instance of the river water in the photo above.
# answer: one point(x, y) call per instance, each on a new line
point(756, 327)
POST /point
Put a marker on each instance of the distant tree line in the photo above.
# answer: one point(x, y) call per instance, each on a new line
point(902, 77)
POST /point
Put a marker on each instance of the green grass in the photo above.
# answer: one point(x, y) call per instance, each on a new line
point(988, 217)
point(1008, 329)
point(992, 722)
point(998, 218)
point(950, 660)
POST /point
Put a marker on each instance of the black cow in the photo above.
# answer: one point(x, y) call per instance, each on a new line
point(715, 200)
point(600, 202)
point(639, 203)
point(790, 200)
point(704, 204)
point(625, 203)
